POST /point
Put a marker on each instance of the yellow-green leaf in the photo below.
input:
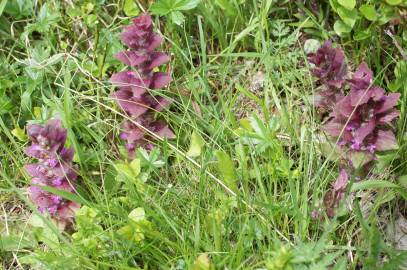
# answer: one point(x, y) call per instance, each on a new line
point(137, 214)
point(394, 2)
point(130, 8)
point(19, 133)
point(369, 12)
point(202, 262)
point(196, 144)
point(135, 167)
point(227, 169)
point(349, 4)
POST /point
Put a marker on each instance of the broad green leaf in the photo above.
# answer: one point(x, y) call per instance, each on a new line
point(202, 262)
point(124, 168)
point(227, 169)
point(162, 7)
point(177, 17)
point(341, 28)
point(196, 144)
point(137, 214)
point(369, 12)
point(349, 4)
point(135, 167)
point(373, 184)
point(130, 8)
point(348, 16)
point(362, 35)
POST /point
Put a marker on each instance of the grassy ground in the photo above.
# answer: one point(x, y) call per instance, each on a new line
point(234, 190)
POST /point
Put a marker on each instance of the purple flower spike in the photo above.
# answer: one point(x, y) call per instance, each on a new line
point(330, 68)
point(53, 169)
point(134, 95)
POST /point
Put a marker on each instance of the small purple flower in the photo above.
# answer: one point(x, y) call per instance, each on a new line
point(53, 169)
point(134, 95)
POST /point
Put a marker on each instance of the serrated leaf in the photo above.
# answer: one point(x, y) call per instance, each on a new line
point(369, 12)
point(349, 4)
point(227, 169)
point(130, 8)
point(195, 146)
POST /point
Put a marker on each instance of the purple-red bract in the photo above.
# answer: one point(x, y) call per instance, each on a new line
point(53, 169)
point(329, 66)
point(134, 95)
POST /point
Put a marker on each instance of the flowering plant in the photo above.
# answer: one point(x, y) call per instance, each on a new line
point(53, 169)
point(359, 121)
point(134, 95)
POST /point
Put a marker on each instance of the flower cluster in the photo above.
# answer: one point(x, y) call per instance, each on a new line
point(360, 121)
point(330, 68)
point(134, 95)
point(53, 169)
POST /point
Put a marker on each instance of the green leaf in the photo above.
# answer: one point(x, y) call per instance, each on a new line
point(19, 133)
point(177, 17)
point(359, 159)
point(137, 214)
point(64, 194)
point(15, 242)
point(369, 12)
point(196, 144)
point(373, 184)
point(135, 167)
point(2, 6)
point(394, 2)
point(130, 8)
point(186, 4)
point(202, 262)
point(348, 16)
point(341, 28)
point(362, 35)
point(349, 4)
point(403, 180)
point(227, 169)
point(162, 7)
